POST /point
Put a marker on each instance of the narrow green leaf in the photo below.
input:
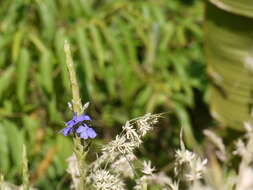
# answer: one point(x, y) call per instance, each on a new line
point(6, 79)
point(47, 18)
point(54, 114)
point(15, 146)
point(2, 58)
point(17, 39)
point(4, 151)
point(186, 125)
point(59, 44)
point(23, 66)
point(98, 44)
point(30, 126)
point(84, 52)
point(46, 72)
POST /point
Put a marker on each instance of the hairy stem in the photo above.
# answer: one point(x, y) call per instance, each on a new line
point(77, 107)
point(25, 174)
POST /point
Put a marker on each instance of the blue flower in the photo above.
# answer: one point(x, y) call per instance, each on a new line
point(83, 129)
point(77, 119)
point(86, 132)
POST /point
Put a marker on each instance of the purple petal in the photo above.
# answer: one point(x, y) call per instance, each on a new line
point(70, 123)
point(91, 133)
point(82, 128)
point(66, 131)
point(73, 121)
point(83, 117)
point(84, 135)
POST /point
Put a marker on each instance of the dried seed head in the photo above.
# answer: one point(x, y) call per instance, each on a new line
point(104, 180)
point(123, 166)
point(147, 168)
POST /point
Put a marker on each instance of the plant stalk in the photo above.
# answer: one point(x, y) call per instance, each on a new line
point(77, 107)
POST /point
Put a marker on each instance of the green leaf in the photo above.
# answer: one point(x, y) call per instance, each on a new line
point(84, 53)
point(65, 149)
point(185, 123)
point(47, 18)
point(30, 126)
point(15, 143)
point(54, 114)
point(16, 45)
point(4, 151)
point(242, 7)
point(46, 72)
point(6, 79)
point(230, 65)
point(59, 44)
point(23, 66)
point(98, 44)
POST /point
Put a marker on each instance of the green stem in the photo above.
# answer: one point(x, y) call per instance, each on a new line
point(76, 101)
point(77, 107)
point(25, 176)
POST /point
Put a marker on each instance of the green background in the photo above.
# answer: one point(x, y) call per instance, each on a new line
point(131, 57)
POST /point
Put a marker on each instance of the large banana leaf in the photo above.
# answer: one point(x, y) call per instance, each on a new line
point(229, 52)
point(242, 7)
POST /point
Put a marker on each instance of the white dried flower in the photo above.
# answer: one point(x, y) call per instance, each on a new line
point(161, 178)
point(248, 126)
point(174, 185)
point(142, 183)
point(240, 148)
point(147, 168)
point(122, 165)
point(73, 170)
point(104, 180)
point(244, 180)
point(70, 106)
point(217, 141)
point(188, 163)
point(115, 155)
point(184, 156)
point(121, 145)
point(196, 169)
point(198, 186)
point(144, 127)
point(131, 133)
point(145, 123)
point(104, 158)
point(114, 145)
point(85, 106)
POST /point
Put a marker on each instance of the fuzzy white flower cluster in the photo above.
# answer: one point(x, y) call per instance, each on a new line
point(147, 177)
point(188, 163)
point(174, 185)
point(120, 144)
point(192, 165)
point(147, 168)
point(123, 166)
point(146, 122)
point(117, 155)
point(245, 151)
point(104, 180)
point(73, 170)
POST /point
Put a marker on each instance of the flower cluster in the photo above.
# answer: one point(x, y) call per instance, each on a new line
point(189, 164)
point(104, 180)
point(77, 125)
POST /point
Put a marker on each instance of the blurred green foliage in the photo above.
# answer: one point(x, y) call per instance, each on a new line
point(131, 57)
point(228, 53)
